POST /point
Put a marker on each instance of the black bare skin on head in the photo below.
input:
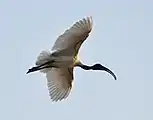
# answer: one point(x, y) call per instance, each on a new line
point(98, 67)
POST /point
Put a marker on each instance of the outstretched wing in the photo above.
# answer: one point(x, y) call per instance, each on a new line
point(73, 37)
point(59, 82)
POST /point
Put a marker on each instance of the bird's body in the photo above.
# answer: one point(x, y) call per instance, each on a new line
point(58, 65)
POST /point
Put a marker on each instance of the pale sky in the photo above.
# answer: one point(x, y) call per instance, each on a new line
point(121, 39)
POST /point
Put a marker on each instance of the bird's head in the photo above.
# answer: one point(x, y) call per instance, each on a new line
point(100, 67)
point(97, 67)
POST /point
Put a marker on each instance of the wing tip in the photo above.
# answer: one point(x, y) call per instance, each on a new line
point(89, 18)
point(61, 95)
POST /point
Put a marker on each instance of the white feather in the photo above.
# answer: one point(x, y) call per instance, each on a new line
point(43, 57)
point(59, 83)
point(64, 50)
point(74, 35)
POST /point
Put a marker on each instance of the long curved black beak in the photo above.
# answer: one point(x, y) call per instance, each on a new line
point(97, 67)
point(109, 71)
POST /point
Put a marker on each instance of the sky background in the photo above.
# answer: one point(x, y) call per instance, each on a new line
point(121, 39)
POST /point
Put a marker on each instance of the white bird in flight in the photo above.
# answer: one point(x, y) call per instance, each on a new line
point(58, 65)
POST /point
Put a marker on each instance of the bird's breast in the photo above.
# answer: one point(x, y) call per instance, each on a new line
point(64, 61)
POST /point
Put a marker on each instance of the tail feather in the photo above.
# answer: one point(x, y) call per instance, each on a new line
point(44, 57)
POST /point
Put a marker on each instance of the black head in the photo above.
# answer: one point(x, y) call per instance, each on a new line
point(100, 67)
point(97, 67)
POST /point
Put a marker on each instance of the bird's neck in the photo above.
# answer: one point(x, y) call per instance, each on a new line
point(83, 66)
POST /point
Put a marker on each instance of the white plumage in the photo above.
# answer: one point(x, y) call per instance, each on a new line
point(65, 49)
point(58, 65)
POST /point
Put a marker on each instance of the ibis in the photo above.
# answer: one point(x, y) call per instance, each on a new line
point(58, 64)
